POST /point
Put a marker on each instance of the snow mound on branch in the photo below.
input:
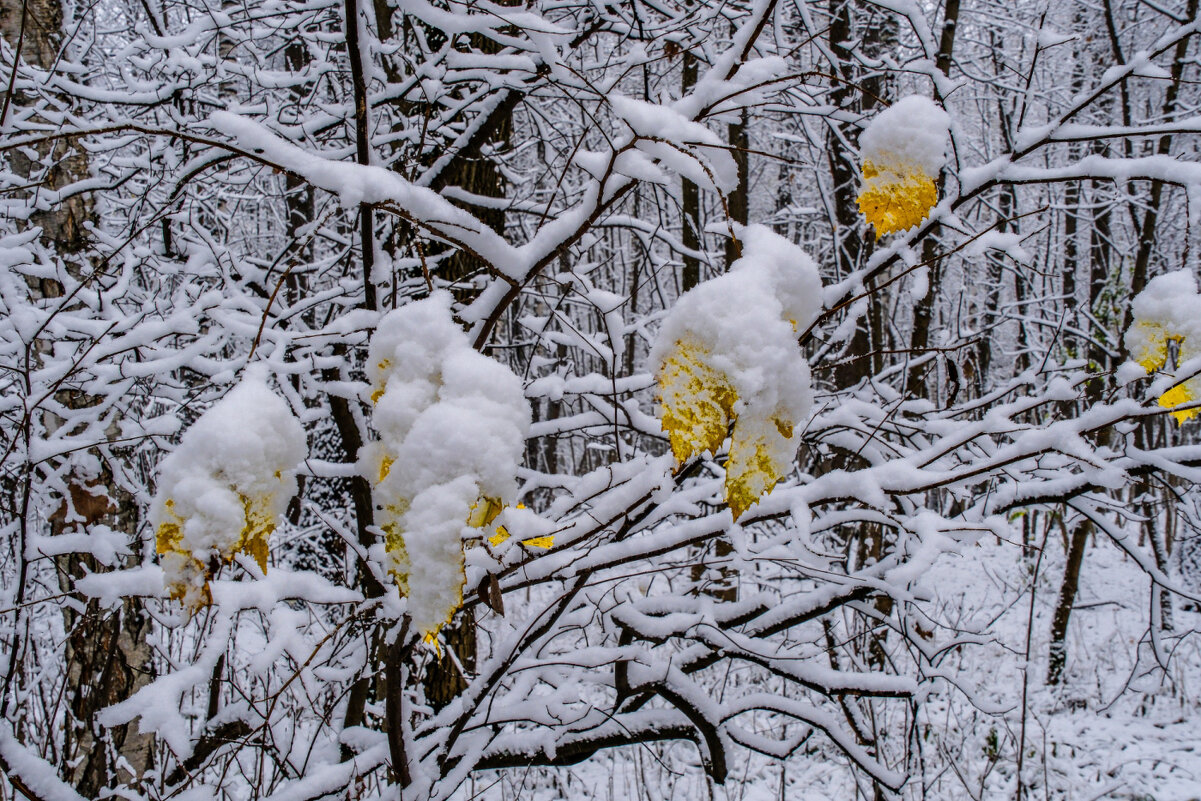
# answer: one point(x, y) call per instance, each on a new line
point(686, 146)
point(912, 131)
point(728, 353)
point(221, 491)
point(452, 426)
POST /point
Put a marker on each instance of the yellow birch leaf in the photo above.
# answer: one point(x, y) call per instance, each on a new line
point(1153, 351)
point(385, 465)
point(754, 465)
point(540, 542)
point(484, 511)
point(1176, 396)
point(260, 523)
point(697, 402)
point(896, 199)
point(169, 534)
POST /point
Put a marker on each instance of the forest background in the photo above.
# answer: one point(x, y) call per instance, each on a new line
point(977, 578)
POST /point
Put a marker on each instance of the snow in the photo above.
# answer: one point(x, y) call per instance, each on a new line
point(1167, 310)
point(902, 149)
point(705, 160)
point(775, 284)
point(728, 351)
point(909, 134)
point(223, 488)
point(452, 426)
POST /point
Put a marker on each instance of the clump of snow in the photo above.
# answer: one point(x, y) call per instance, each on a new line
point(728, 352)
point(1168, 310)
point(684, 145)
point(221, 491)
point(912, 131)
point(452, 426)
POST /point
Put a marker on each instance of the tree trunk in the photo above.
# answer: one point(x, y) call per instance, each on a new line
point(690, 198)
point(1057, 656)
point(739, 199)
point(923, 309)
point(1146, 239)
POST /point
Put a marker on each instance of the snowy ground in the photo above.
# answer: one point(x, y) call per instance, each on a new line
point(1119, 727)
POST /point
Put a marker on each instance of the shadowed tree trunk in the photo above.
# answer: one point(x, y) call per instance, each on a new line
point(739, 199)
point(1057, 656)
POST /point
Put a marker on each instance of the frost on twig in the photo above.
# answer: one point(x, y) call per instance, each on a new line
point(452, 426)
point(728, 354)
point(222, 490)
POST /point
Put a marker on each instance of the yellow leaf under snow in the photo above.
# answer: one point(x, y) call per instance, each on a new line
point(259, 523)
point(484, 511)
point(895, 198)
point(1177, 396)
point(1153, 349)
point(394, 544)
point(753, 467)
point(502, 535)
point(169, 534)
point(385, 465)
point(697, 402)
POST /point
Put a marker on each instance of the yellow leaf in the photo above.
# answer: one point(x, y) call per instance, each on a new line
point(260, 523)
point(895, 198)
point(697, 402)
point(540, 542)
point(754, 465)
point(484, 511)
point(194, 575)
point(698, 407)
point(169, 534)
point(499, 537)
point(1176, 396)
point(1153, 352)
point(394, 544)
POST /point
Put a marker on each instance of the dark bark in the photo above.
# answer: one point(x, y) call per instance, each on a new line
point(690, 198)
point(739, 200)
point(1057, 656)
point(1146, 239)
point(923, 310)
point(362, 142)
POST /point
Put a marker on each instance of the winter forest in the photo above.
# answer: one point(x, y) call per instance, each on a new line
point(646, 400)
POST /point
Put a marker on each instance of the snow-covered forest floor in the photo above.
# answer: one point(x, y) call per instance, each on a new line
point(1120, 726)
